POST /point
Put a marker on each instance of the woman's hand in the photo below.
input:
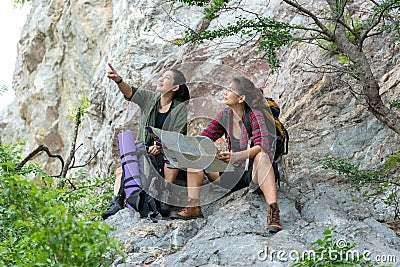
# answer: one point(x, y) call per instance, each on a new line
point(112, 74)
point(226, 156)
point(122, 86)
point(154, 150)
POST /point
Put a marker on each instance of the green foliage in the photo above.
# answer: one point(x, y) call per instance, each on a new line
point(333, 252)
point(200, 3)
point(3, 89)
point(343, 59)
point(356, 28)
point(88, 200)
point(21, 2)
point(390, 10)
point(211, 8)
point(395, 103)
point(76, 114)
point(352, 35)
point(38, 227)
point(382, 181)
point(392, 161)
point(328, 45)
point(353, 173)
point(272, 35)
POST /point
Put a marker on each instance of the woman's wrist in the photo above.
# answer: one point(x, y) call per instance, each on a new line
point(239, 155)
point(235, 156)
point(120, 81)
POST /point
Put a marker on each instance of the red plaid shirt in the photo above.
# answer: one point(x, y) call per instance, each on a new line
point(222, 125)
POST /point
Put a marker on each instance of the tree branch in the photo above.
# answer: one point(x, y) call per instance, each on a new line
point(312, 16)
point(71, 154)
point(381, 14)
point(86, 186)
point(374, 34)
point(338, 20)
point(36, 151)
point(87, 162)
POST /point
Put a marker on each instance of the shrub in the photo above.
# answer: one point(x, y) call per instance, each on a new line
point(378, 182)
point(39, 227)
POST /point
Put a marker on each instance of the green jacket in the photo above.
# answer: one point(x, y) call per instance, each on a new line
point(149, 104)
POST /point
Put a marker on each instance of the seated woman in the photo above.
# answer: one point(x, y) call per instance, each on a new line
point(251, 157)
point(163, 109)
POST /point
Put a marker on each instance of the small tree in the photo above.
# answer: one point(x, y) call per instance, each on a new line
point(42, 225)
point(76, 115)
point(336, 26)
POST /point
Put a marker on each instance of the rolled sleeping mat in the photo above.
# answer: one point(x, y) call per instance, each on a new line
point(130, 166)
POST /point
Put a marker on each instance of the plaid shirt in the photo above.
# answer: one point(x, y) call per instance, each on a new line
point(222, 125)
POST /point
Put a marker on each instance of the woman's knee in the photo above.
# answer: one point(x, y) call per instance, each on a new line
point(262, 157)
point(118, 172)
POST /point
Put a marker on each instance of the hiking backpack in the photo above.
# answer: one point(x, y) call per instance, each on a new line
point(137, 176)
point(279, 137)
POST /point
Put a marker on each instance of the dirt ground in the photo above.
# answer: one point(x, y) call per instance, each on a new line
point(394, 225)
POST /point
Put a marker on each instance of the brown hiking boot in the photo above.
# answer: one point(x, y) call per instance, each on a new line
point(274, 224)
point(191, 211)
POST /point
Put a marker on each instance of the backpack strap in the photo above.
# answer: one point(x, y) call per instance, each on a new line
point(224, 123)
point(246, 121)
point(247, 124)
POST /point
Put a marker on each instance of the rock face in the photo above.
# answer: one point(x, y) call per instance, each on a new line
point(234, 233)
point(63, 55)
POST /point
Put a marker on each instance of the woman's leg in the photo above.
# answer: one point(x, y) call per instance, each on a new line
point(118, 201)
point(170, 174)
point(194, 182)
point(263, 174)
point(117, 183)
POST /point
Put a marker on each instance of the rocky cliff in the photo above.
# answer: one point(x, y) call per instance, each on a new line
point(63, 55)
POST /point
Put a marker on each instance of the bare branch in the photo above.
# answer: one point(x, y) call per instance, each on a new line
point(381, 14)
point(374, 2)
point(312, 16)
point(71, 156)
point(71, 184)
point(87, 162)
point(374, 34)
point(86, 186)
point(341, 22)
point(78, 147)
point(36, 151)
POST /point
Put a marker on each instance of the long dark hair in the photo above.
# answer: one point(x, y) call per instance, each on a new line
point(254, 96)
point(182, 94)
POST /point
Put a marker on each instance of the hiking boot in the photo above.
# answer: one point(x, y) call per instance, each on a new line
point(116, 204)
point(274, 224)
point(191, 211)
point(164, 209)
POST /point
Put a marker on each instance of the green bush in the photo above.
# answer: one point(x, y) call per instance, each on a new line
point(374, 183)
point(395, 103)
point(39, 227)
point(89, 199)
